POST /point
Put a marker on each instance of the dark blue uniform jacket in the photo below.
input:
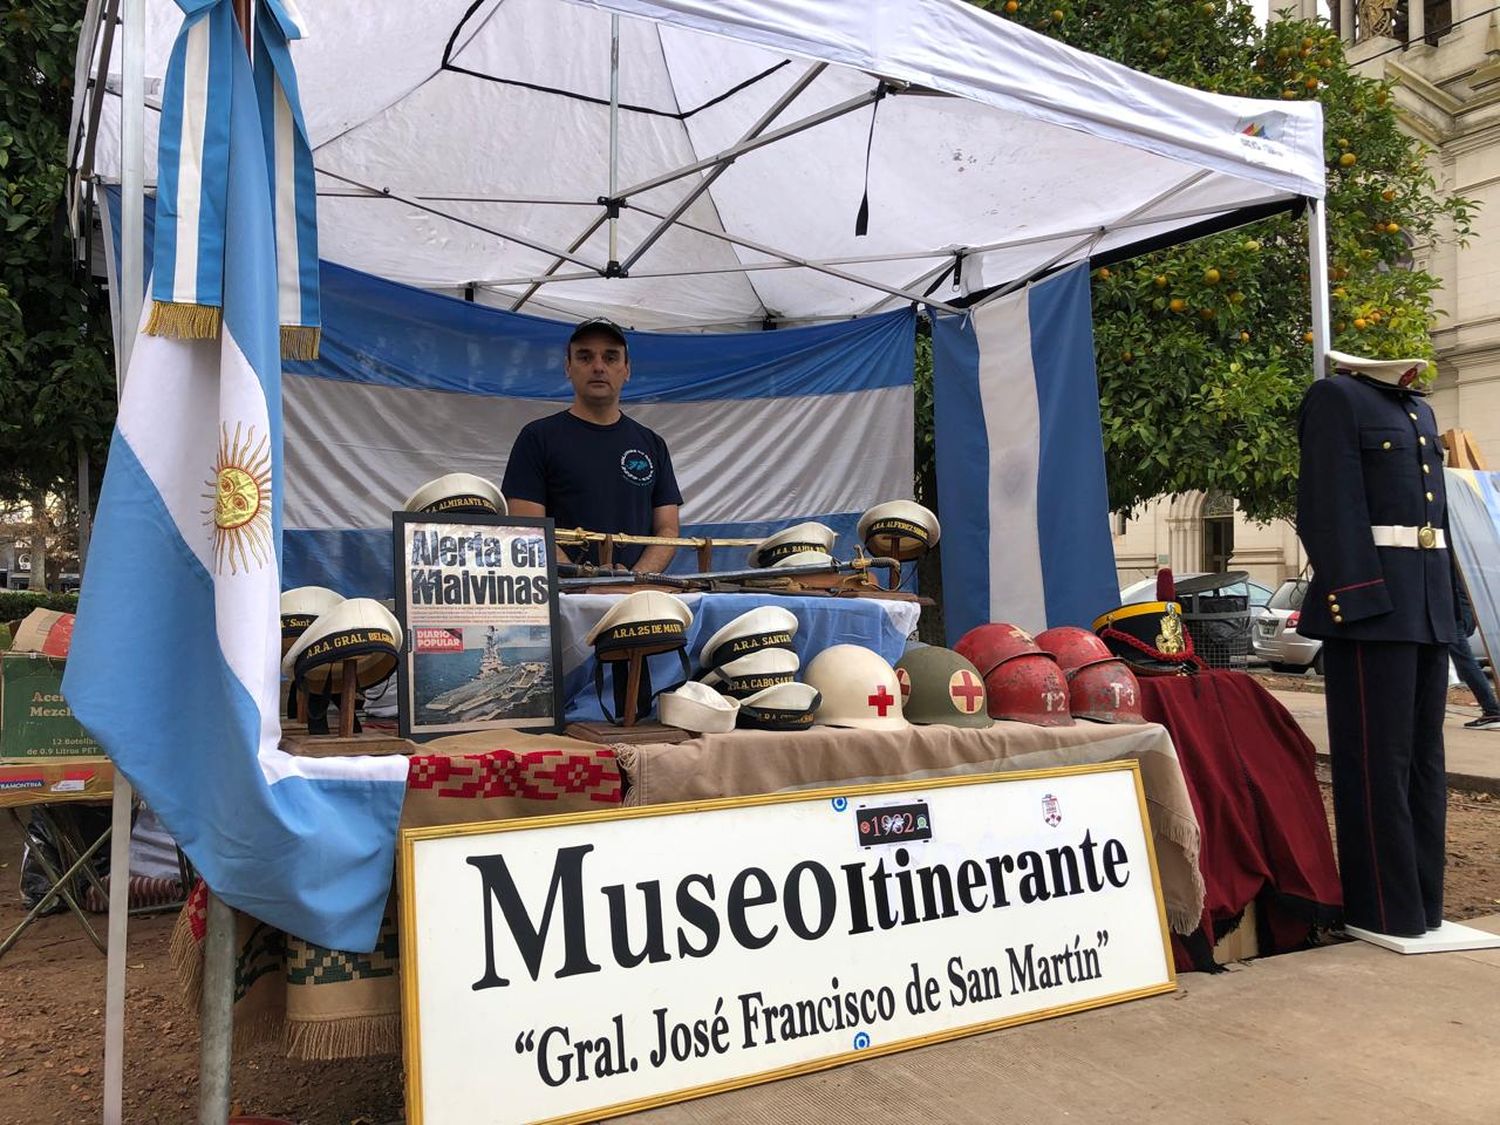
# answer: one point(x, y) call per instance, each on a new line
point(1370, 456)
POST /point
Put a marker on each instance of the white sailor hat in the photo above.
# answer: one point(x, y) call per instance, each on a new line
point(792, 540)
point(765, 626)
point(648, 620)
point(698, 707)
point(805, 558)
point(899, 529)
point(300, 607)
point(755, 672)
point(1397, 372)
point(462, 493)
point(783, 707)
point(358, 629)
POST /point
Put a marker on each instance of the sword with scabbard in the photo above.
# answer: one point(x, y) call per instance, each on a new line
point(576, 577)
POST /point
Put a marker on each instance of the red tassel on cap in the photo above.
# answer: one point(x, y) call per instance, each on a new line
point(1166, 585)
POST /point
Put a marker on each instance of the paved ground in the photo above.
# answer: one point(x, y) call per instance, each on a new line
point(1344, 1034)
point(1473, 755)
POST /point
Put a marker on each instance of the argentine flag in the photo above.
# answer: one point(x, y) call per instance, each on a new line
point(175, 659)
point(1022, 494)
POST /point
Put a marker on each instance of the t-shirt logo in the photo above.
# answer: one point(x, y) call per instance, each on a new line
point(637, 467)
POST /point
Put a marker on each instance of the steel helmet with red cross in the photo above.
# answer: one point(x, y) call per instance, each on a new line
point(989, 646)
point(941, 688)
point(1074, 648)
point(858, 687)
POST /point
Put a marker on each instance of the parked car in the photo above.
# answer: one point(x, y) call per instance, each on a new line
point(1275, 640)
point(1273, 632)
point(1145, 591)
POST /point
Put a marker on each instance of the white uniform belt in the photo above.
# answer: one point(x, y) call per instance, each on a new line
point(1388, 535)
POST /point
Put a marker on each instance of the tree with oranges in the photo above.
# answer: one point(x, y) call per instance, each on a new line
point(1204, 350)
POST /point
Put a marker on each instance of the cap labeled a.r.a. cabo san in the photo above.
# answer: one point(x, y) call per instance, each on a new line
point(858, 687)
point(795, 540)
point(755, 672)
point(457, 494)
point(358, 629)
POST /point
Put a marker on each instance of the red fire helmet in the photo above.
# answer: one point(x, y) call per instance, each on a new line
point(1029, 688)
point(1074, 648)
point(989, 646)
point(1106, 693)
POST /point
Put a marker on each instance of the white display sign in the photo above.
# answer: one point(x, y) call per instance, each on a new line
point(573, 967)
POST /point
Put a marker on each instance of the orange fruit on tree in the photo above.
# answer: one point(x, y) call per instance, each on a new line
point(1307, 337)
point(1160, 281)
point(1392, 228)
point(1348, 160)
point(1388, 194)
point(1207, 314)
point(1244, 337)
point(1211, 276)
point(1311, 83)
point(1251, 246)
point(1057, 15)
point(1236, 298)
point(1011, 7)
point(1360, 324)
point(1178, 304)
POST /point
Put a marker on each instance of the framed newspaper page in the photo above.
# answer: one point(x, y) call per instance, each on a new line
point(476, 596)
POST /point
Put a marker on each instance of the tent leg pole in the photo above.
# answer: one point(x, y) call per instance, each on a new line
point(1317, 275)
point(614, 137)
point(216, 1016)
point(114, 973)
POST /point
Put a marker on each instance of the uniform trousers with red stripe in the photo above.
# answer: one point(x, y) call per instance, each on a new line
point(1385, 730)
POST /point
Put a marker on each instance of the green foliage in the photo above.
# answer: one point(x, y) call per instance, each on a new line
point(1203, 351)
point(56, 387)
point(16, 604)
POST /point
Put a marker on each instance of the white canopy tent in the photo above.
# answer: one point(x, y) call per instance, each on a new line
point(701, 164)
point(475, 146)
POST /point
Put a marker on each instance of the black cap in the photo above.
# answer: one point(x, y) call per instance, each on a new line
point(599, 326)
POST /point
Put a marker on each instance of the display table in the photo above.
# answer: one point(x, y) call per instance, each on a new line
point(882, 624)
point(322, 1004)
point(1249, 770)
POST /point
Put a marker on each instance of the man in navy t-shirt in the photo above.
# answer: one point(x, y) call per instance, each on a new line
point(590, 466)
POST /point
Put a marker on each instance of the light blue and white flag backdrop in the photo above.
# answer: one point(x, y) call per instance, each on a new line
point(766, 428)
point(1021, 487)
point(175, 662)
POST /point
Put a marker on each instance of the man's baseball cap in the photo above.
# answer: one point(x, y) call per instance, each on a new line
point(599, 326)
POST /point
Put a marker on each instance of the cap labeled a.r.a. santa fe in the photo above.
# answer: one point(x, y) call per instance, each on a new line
point(1408, 373)
point(784, 707)
point(300, 607)
point(358, 629)
point(899, 529)
point(794, 540)
point(697, 707)
point(457, 494)
point(766, 626)
point(755, 672)
point(940, 688)
point(858, 687)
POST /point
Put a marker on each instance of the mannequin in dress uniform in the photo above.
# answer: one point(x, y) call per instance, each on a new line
point(1372, 514)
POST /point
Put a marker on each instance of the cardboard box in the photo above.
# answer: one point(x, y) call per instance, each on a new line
point(54, 782)
point(35, 720)
point(47, 631)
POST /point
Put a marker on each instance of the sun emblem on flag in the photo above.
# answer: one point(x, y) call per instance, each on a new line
point(241, 500)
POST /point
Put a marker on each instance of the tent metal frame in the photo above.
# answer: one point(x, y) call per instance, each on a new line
point(99, 21)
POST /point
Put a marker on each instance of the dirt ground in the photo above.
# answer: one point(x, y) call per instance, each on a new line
point(52, 1012)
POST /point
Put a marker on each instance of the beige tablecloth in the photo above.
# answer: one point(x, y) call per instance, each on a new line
point(742, 763)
